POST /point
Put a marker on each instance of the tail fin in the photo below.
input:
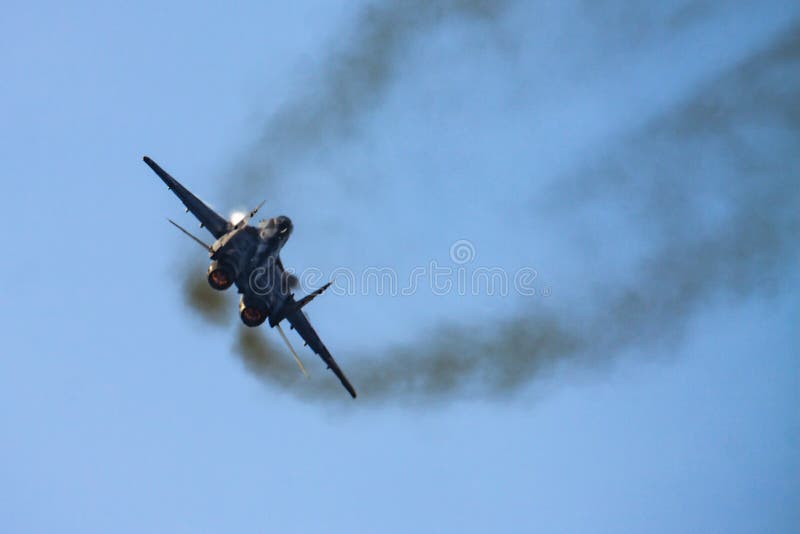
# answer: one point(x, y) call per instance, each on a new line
point(246, 219)
point(308, 298)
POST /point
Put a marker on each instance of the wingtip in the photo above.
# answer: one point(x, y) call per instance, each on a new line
point(150, 163)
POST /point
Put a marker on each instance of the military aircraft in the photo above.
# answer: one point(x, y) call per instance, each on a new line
point(249, 257)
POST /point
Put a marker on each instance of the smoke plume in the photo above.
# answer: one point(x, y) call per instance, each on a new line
point(211, 305)
point(745, 125)
point(352, 82)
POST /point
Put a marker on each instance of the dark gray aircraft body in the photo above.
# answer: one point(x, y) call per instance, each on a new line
point(249, 257)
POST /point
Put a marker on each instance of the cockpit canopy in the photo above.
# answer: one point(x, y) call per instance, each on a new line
point(280, 226)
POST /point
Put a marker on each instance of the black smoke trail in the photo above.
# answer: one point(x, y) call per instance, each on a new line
point(660, 170)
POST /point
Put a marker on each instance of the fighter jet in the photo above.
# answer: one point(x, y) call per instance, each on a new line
point(249, 257)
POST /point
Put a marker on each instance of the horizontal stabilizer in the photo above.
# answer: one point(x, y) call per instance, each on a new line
point(294, 354)
point(193, 237)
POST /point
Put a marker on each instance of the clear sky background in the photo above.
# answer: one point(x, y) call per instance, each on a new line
point(642, 159)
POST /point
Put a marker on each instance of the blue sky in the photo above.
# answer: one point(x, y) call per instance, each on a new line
point(551, 135)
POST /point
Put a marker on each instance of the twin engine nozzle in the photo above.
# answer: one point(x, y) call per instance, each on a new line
point(221, 275)
point(252, 315)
